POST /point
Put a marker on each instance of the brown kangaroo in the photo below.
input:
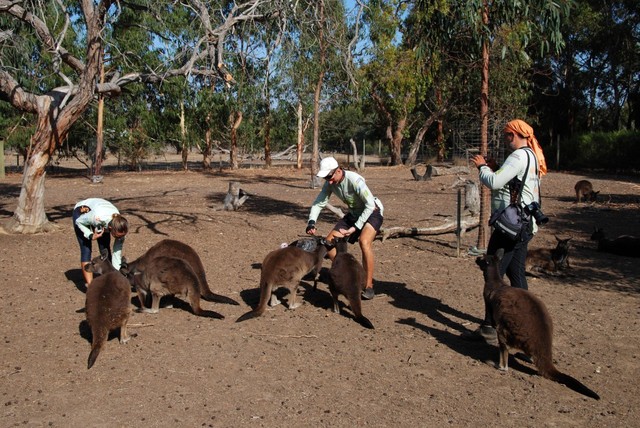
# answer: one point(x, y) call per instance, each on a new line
point(168, 276)
point(285, 267)
point(179, 250)
point(584, 189)
point(550, 262)
point(623, 245)
point(522, 322)
point(349, 279)
point(107, 304)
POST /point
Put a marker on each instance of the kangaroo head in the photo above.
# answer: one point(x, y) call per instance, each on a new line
point(99, 264)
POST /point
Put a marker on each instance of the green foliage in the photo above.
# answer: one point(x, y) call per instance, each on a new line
point(613, 151)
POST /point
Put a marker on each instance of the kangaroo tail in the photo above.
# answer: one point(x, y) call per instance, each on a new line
point(212, 297)
point(249, 315)
point(571, 383)
point(364, 321)
point(99, 339)
point(210, 314)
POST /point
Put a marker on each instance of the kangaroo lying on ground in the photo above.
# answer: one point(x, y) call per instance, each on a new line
point(584, 189)
point(349, 279)
point(522, 322)
point(107, 304)
point(285, 267)
point(550, 262)
point(623, 245)
point(179, 250)
point(167, 276)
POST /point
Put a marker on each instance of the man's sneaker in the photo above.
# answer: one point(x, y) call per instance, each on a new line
point(484, 332)
point(368, 293)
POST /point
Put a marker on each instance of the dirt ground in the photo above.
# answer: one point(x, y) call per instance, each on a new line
point(311, 367)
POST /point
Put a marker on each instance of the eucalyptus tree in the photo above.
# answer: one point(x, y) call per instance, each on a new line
point(392, 73)
point(594, 83)
point(68, 40)
point(316, 59)
point(482, 21)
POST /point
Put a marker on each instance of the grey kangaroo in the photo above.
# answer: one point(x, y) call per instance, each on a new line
point(522, 322)
point(168, 276)
point(584, 189)
point(349, 279)
point(623, 245)
point(285, 267)
point(179, 250)
point(107, 305)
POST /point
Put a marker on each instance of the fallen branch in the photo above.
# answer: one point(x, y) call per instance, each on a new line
point(449, 226)
point(287, 336)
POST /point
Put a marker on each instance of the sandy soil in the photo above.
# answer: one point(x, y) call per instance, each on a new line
point(311, 367)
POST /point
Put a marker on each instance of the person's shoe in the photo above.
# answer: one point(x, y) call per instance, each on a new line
point(484, 332)
point(368, 293)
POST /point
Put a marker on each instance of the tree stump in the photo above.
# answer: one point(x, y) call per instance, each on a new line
point(235, 197)
point(438, 170)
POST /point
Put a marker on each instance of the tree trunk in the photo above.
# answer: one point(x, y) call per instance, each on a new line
point(206, 150)
point(316, 95)
point(485, 203)
point(99, 132)
point(300, 142)
point(267, 135)
point(396, 142)
point(236, 120)
point(29, 216)
point(183, 136)
point(355, 154)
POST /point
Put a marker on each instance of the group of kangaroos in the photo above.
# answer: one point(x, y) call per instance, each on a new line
point(172, 267)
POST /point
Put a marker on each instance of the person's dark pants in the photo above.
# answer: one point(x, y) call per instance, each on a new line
point(375, 220)
point(85, 244)
point(512, 263)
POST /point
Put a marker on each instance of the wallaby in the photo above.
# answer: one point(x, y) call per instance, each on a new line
point(623, 245)
point(522, 322)
point(349, 279)
point(179, 250)
point(550, 262)
point(584, 189)
point(107, 304)
point(168, 276)
point(285, 267)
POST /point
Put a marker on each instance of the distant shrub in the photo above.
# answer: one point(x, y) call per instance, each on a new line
point(614, 151)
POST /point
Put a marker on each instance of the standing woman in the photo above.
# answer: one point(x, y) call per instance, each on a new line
point(96, 219)
point(505, 184)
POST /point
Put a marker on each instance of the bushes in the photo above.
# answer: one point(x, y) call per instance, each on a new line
point(613, 151)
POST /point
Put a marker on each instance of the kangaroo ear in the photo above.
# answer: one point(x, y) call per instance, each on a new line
point(104, 254)
point(499, 254)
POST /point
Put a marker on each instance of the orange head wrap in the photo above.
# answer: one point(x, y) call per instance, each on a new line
point(523, 129)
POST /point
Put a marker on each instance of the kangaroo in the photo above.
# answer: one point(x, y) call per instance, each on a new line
point(180, 250)
point(623, 245)
point(584, 189)
point(168, 276)
point(285, 267)
point(349, 279)
point(522, 322)
point(107, 304)
point(550, 262)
